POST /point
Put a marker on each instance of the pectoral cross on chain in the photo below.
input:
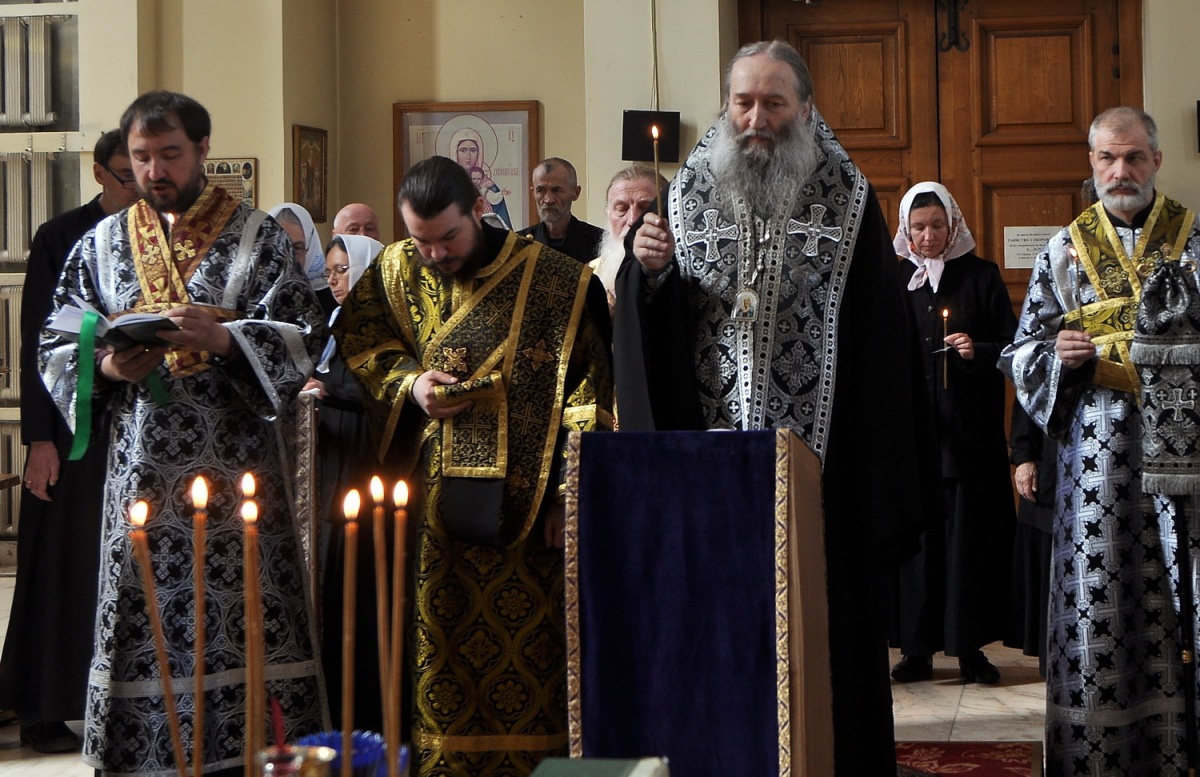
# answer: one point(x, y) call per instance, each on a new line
point(814, 230)
point(711, 235)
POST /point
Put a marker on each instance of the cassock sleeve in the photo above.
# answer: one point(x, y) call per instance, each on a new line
point(40, 419)
point(882, 483)
point(377, 343)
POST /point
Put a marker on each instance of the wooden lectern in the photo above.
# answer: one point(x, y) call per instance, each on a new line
point(696, 603)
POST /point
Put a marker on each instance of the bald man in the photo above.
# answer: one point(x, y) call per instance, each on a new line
point(356, 219)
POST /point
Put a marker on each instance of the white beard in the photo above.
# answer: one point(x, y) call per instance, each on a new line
point(608, 261)
point(760, 174)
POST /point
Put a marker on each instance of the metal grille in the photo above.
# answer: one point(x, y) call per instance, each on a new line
point(12, 459)
point(28, 67)
point(10, 343)
point(27, 198)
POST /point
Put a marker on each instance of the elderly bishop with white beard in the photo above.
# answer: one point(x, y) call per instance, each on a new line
point(773, 274)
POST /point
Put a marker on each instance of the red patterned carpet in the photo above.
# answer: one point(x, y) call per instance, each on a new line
point(973, 759)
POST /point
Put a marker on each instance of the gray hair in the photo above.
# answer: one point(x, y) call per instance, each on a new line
point(1122, 119)
point(636, 173)
point(549, 163)
point(780, 51)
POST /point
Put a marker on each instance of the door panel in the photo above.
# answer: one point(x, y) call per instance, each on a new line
point(1001, 118)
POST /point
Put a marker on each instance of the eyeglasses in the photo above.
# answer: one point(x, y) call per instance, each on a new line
point(128, 183)
point(337, 272)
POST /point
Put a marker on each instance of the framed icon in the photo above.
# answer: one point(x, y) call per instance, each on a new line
point(310, 170)
point(497, 142)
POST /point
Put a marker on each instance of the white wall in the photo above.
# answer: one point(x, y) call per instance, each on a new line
point(1170, 30)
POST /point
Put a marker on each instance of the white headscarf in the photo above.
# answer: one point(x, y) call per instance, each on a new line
point(314, 258)
point(958, 242)
point(360, 252)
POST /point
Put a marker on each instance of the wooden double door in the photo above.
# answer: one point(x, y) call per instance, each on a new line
point(993, 98)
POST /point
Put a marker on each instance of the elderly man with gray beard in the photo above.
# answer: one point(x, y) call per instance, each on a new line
point(772, 273)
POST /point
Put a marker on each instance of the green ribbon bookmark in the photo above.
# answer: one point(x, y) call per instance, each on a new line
point(83, 389)
point(87, 380)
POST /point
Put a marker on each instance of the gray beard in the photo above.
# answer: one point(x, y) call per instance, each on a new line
point(1125, 203)
point(760, 176)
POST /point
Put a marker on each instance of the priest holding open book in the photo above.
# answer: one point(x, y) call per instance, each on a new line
point(208, 401)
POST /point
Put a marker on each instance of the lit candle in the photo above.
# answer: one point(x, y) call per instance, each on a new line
point(138, 514)
point(946, 348)
point(392, 737)
point(199, 532)
point(657, 176)
point(255, 671)
point(248, 486)
point(350, 510)
point(381, 593)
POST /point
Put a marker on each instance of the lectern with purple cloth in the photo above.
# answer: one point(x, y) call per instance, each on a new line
point(696, 604)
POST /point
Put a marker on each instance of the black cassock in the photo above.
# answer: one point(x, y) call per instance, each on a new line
point(48, 648)
point(954, 595)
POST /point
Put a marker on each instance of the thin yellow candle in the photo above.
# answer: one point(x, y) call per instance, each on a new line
point(379, 538)
point(199, 554)
point(255, 671)
point(657, 175)
point(138, 514)
point(392, 736)
point(350, 510)
point(946, 346)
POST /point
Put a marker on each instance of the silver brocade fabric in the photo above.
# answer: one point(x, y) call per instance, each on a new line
point(779, 368)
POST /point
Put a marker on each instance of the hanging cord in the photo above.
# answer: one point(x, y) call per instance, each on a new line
point(654, 45)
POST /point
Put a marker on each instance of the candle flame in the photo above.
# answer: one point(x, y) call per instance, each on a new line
point(400, 494)
point(170, 217)
point(249, 511)
point(248, 486)
point(654, 131)
point(138, 513)
point(945, 312)
point(351, 504)
point(199, 493)
point(376, 489)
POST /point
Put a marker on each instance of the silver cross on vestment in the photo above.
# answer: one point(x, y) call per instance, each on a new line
point(711, 235)
point(814, 229)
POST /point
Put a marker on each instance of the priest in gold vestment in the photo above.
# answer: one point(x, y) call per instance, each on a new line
point(477, 351)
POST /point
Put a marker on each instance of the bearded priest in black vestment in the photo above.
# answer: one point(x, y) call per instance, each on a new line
point(767, 297)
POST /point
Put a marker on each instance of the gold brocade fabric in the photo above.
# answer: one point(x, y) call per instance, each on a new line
point(165, 262)
point(489, 673)
point(1117, 279)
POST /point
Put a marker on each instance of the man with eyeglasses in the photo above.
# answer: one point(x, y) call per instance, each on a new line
point(44, 669)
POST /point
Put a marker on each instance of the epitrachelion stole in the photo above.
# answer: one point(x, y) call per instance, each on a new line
point(1166, 350)
point(696, 603)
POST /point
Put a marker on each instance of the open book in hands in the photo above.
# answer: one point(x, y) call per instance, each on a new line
point(127, 331)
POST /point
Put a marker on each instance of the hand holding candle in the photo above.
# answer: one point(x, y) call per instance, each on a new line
point(350, 510)
point(199, 542)
point(657, 175)
point(138, 514)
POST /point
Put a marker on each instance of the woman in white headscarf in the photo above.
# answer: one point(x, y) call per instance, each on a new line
point(346, 460)
point(954, 595)
point(306, 247)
